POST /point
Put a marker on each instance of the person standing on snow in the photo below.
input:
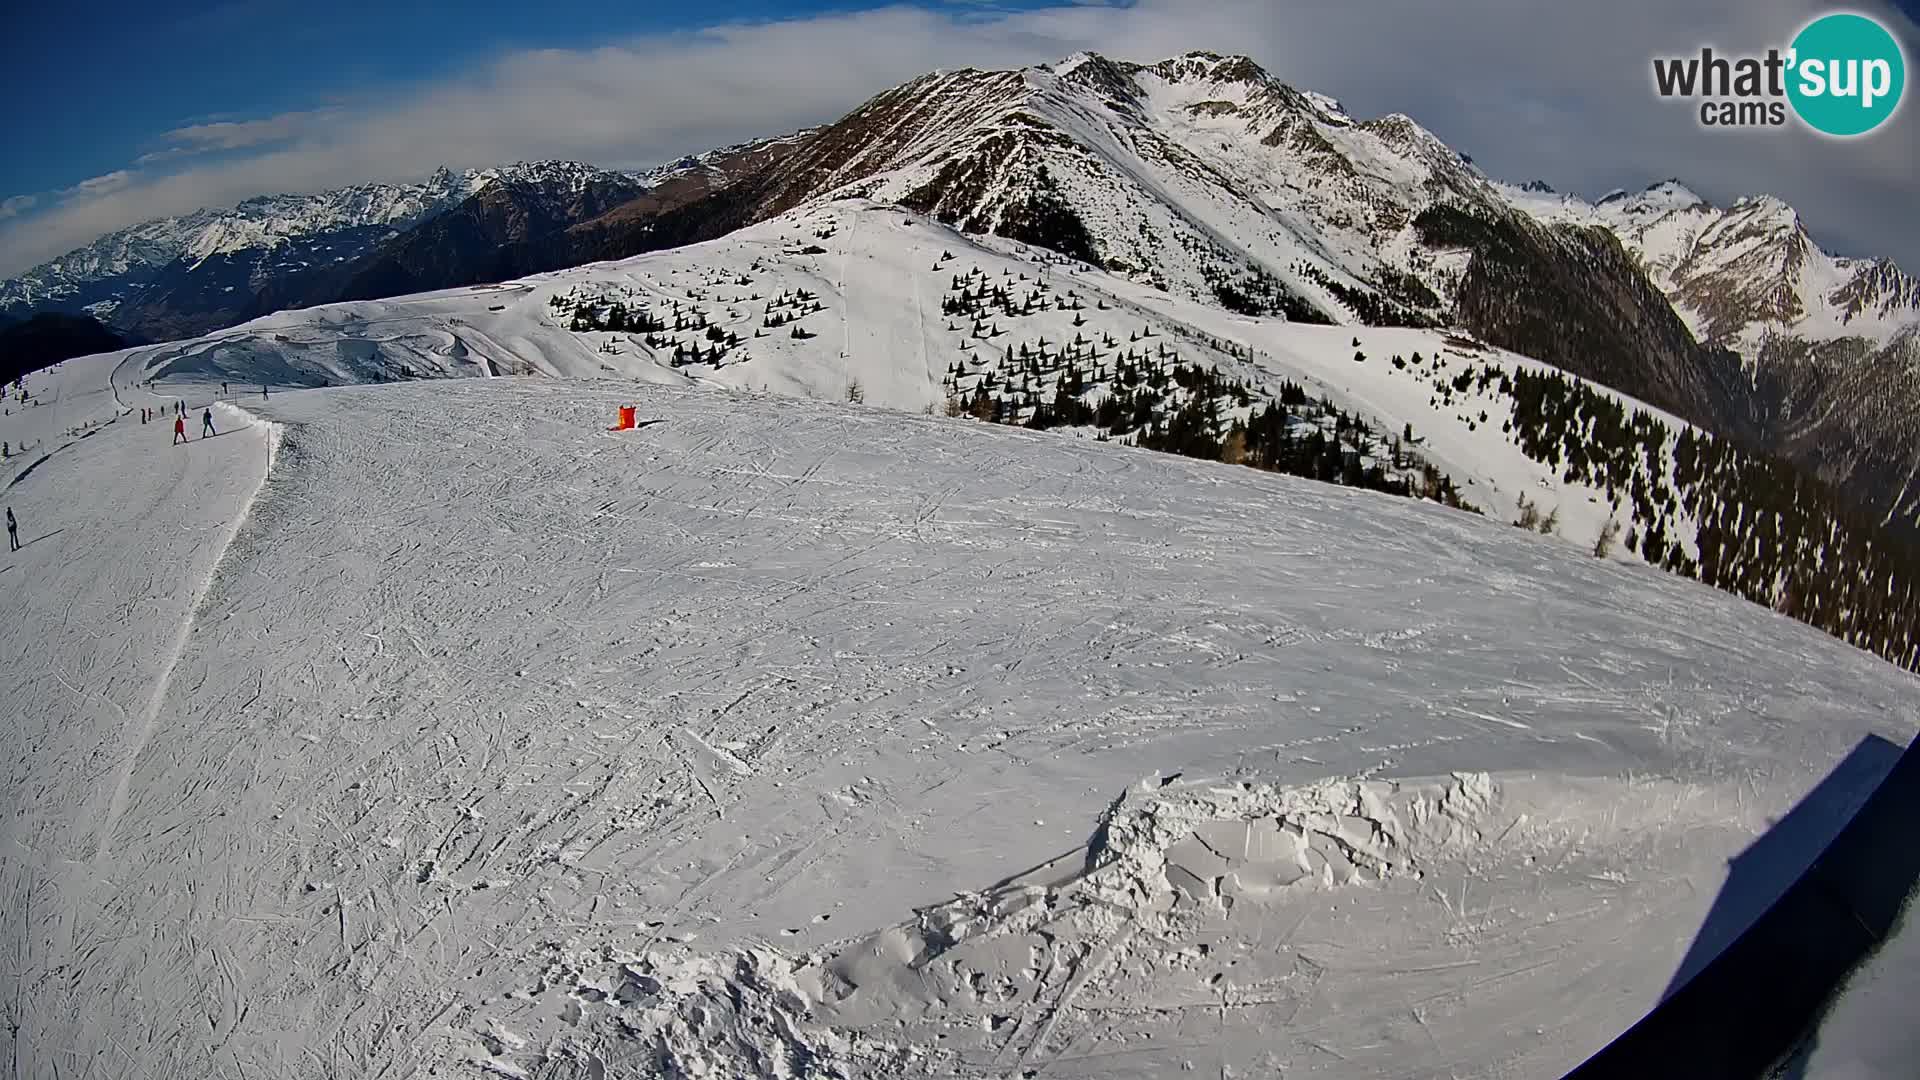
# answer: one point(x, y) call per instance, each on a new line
point(13, 531)
point(179, 430)
point(206, 424)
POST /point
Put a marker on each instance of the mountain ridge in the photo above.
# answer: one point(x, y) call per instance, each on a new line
point(1207, 177)
point(139, 278)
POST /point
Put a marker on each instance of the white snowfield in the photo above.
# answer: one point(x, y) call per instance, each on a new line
point(878, 276)
point(435, 730)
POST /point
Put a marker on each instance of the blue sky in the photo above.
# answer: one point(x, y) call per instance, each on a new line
point(149, 68)
point(124, 111)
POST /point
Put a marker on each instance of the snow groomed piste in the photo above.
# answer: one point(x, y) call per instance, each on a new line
point(434, 726)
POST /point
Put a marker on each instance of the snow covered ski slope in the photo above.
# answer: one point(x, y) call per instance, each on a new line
point(782, 737)
point(853, 298)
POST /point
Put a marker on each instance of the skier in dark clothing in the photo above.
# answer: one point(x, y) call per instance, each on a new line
point(179, 430)
point(13, 531)
point(206, 424)
point(223, 389)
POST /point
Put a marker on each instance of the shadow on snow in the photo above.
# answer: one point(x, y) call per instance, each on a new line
point(1802, 907)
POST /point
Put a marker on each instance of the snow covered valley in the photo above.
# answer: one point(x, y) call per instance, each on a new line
point(433, 729)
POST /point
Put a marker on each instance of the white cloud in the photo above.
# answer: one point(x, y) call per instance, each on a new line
point(17, 205)
point(1559, 92)
point(158, 156)
point(98, 187)
point(239, 134)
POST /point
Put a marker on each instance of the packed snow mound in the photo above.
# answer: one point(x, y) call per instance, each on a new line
point(1164, 861)
point(1095, 964)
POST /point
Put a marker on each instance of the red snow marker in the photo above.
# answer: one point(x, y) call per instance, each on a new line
point(626, 418)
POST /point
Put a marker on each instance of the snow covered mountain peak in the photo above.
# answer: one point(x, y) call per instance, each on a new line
point(1200, 173)
point(561, 177)
point(1663, 197)
point(1770, 208)
point(1074, 62)
point(1214, 68)
point(268, 221)
point(1745, 275)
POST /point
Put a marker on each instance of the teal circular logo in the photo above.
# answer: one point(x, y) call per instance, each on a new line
point(1846, 74)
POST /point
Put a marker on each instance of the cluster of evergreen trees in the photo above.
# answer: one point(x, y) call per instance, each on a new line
point(617, 318)
point(1256, 292)
point(1764, 530)
point(790, 307)
point(1372, 308)
point(1142, 392)
point(977, 297)
point(1046, 219)
point(1408, 290)
point(1150, 397)
point(683, 331)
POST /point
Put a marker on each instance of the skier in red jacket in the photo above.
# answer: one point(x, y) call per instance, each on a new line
point(179, 430)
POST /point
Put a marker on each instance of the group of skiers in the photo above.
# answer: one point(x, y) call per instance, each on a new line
point(180, 421)
point(147, 414)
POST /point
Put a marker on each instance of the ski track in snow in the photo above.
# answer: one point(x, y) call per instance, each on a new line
point(142, 726)
point(497, 742)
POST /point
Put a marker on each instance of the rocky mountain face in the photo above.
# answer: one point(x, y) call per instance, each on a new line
point(191, 296)
point(1201, 174)
point(467, 244)
point(1573, 296)
point(1743, 273)
point(1830, 345)
point(97, 277)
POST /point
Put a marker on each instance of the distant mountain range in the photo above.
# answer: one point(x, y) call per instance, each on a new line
point(177, 277)
point(1202, 175)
